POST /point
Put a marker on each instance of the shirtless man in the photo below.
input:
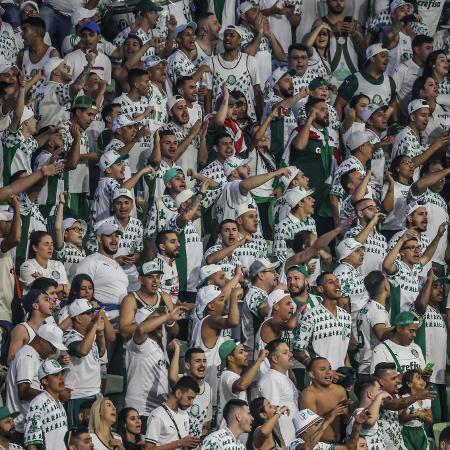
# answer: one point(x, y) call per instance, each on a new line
point(323, 396)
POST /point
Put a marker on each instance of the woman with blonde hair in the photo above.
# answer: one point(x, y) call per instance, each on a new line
point(101, 420)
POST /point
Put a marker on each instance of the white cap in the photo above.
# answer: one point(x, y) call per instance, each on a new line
point(205, 295)
point(231, 163)
point(79, 306)
point(413, 206)
point(294, 196)
point(244, 7)
point(206, 272)
point(184, 26)
point(50, 367)
point(184, 196)
point(346, 247)
point(236, 28)
point(29, 3)
point(277, 75)
point(6, 67)
point(123, 193)
point(369, 110)
point(81, 13)
point(151, 61)
point(287, 179)
point(28, 113)
point(110, 158)
point(122, 121)
point(143, 313)
point(50, 65)
point(374, 49)
point(244, 208)
point(52, 334)
point(260, 265)
point(107, 228)
point(416, 104)
point(357, 139)
point(274, 297)
point(67, 223)
point(397, 3)
point(172, 101)
point(304, 419)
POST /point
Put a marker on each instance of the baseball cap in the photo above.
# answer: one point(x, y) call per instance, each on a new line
point(50, 367)
point(30, 298)
point(233, 99)
point(52, 334)
point(225, 349)
point(91, 26)
point(260, 265)
point(6, 67)
point(416, 104)
point(278, 74)
point(244, 7)
point(356, 139)
point(244, 208)
point(34, 5)
point(235, 28)
point(371, 109)
point(205, 295)
point(374, 49)
point(67, 223)
point(317, 82)
point(185, 26)
point(51, 65)
point(107, 228)
point(294, 196)
point(274, 297)
point(183, 196)
point(143, 313)
point(152, 61)
point(83, 102)
point(28, 113)
point(404, 318)
point(81, 13)
point(304, 419)
point(287, 179)
point(172, 172)
point(145, 6)
point(122, 121)
point(150, 267)
point(123, 193)
point(80, 306)
point(172, 101)
point(110, 158)
point(397, 3)
point(346, 247)
point(299, 268)
point(411, 207)
point(5, 413)
point(206, 272)
point(231, 163)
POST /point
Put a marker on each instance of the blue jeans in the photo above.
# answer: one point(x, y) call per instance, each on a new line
point(58, 25)
point(11, 14)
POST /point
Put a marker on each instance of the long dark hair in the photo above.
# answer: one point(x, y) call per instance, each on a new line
point(35, 238)
point(75, 287)
point(395, 164)
point(431, 61)
point(122, 428)
point(256, 409)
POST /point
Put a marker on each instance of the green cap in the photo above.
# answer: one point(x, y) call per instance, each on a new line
point(83, 102)
point(150, 267)
point(317, 82)
point(145, 6)
point(172, 172)
point(5, 413)
point(300, 268)
point(405, 318)
point(227, 348)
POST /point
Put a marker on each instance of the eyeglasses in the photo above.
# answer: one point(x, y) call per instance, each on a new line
point(412, 247)
point(76, 229)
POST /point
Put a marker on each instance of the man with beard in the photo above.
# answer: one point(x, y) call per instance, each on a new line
point(325, 329)
point(428, 191)
point(111, 282)
point(407, 142)
point(370, 81)
point(433, 330)
point(180, 62)
point(157, 96)
point(187, 88)
point(278, 388)
point(207, 37)
point(8, 429)
point(90, 37)
point(323, 395)
point(192, 151)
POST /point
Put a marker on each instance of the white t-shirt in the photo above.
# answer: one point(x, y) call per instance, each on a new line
point(395, 220)
point(76, 60)
point(201, 410)
point(54, 270)
point(98, 444)
point(280, 390)
point(225, 392)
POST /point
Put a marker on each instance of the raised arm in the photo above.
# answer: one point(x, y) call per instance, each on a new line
point(430, 250)
point(365, 232)
point(425, 181)
point(245, 186)
point(59, 235)
point(232, 319)
point(440, 142)
point(421, 303)
point(361, 190)
point(389, 261)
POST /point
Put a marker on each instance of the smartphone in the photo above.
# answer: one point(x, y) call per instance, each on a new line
point(347, 19)
point(409, 18)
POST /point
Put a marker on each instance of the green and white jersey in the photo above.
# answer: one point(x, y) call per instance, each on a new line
point(157, 186)
point(285, 231)
point(179, 65)
point(8, 48)
point(200, 56)
point(430, 11)
point(103, 198)
point(46, 423)
point(351, 163)
point(371, 314)
point(70, 256)
point(301, 81)
point(201, 410)
point(251, 319)
point(131, 107)
point(347, 208)
point(372, 435)
point(250, 251)
point(51, 104)
point(391, 429)
point(352, 285)
point(170, 283)
point(407, 278)
point(319, 446)
point(408, 143)
point(407, 357)
point(404, 76)
point(222, 439)
point(281, 209)
point(16, 153)
point(322, 334)
point(53, 186)
point(399, 55)
point(415, 407)
point(159, 214)
point(335, 123)
point(76, 181)
point(381, 91)
point(144, 36)
point(375, 249)
point(444, 85)
point(395, 220)
point(157, 99)
point(213, 170)
point(191, 254)
point(228, 264)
